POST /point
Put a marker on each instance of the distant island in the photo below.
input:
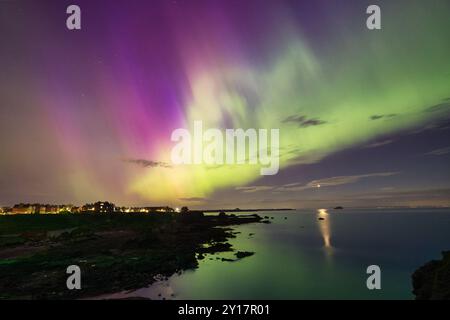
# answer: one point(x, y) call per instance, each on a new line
point(245, 210)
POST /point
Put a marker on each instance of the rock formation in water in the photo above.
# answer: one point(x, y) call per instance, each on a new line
point(432, 280)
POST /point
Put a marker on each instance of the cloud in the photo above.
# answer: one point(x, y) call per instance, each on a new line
point(312, 122)
point(303, 121)
point(378, 144)
point(405, 194)
point(433, 126)
point(333, 181)
point(193, 199)
point(319, 183)
point(439, 152)
point(391, 197)
point(381, 116)
point(438, 107)
point(251, 189)
point(148, 163)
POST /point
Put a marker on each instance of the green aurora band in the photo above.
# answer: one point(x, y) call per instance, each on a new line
point(361, 85)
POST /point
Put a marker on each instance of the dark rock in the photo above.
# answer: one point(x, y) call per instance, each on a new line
point(432, 280)
point(191, 215)
point(243, 254)
point(228, 260)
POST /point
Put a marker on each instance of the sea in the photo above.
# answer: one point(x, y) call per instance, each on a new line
point(315, 254)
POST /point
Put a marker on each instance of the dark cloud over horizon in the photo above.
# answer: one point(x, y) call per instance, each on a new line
point(382, 116)
point(148, 163)
point(302, 121)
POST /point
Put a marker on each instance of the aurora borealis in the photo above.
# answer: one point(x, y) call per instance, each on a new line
point(88, 114)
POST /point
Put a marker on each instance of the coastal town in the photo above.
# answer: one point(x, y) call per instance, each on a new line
point(97, 207)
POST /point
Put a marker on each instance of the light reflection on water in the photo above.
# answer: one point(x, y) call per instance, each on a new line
point(324, 224)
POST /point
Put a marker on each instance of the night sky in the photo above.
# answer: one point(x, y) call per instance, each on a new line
point(87, 115)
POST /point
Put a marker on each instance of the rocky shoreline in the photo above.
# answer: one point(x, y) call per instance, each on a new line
point(114, 252)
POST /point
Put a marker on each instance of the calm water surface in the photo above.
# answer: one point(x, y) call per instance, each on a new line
point(298, 256)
